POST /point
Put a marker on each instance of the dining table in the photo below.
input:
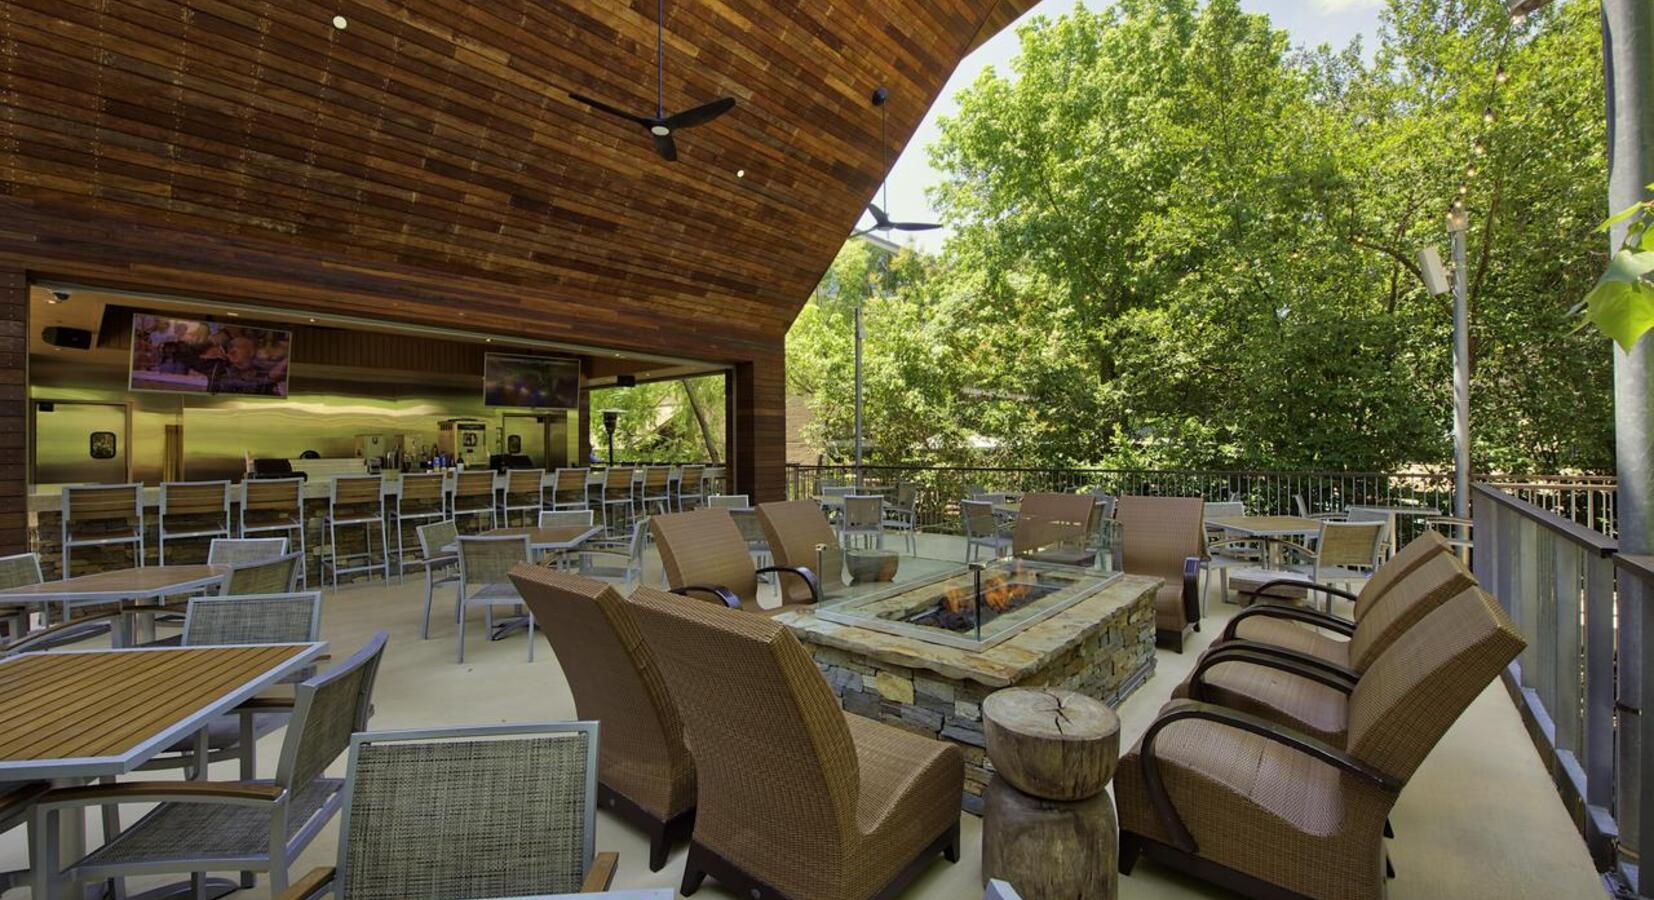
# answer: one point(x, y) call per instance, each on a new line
point(128, 587)
point(1271, 530)
point(70, 716)
point(542, 541)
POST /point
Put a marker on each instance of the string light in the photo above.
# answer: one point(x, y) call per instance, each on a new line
point(1501, 76)
point(1487, 115)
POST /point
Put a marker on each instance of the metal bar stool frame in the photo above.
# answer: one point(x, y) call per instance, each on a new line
point(356, 494)
point(193, 498)
point(267, 495)
point(103, 503)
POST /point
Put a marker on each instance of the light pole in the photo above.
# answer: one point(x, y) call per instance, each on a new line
point(1458, 222)
point(858, 395)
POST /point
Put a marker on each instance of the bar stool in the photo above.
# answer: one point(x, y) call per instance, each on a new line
point(193, 509)
point(568, 490)
point(657, 489)
point(713, 480)
point(617, 497)
point(420, 501)
point(525, 492)
point(690, 493)
point(356, 500)
point(474, 496)
point(275, 504)
point(102, 516)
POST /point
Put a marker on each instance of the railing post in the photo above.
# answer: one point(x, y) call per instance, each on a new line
point(1597, 755)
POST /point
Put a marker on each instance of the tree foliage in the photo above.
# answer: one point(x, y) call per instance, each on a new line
point(1180, 241)
point(658, 423)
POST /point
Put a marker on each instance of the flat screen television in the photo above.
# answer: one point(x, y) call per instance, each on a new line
point(194, 357)
point(537, 382)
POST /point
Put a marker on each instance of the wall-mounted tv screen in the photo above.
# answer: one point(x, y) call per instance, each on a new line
point(531, 381)
point(195, 357)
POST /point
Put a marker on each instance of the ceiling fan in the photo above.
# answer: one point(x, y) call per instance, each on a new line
point(881, 220)
point(661, 125)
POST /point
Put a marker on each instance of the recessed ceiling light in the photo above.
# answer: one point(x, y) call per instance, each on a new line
point(312, 319)
point(488, 340)
point(740, 173)
point(236, 315)
point(341, 23)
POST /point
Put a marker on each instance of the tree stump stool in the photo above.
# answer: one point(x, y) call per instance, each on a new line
point(1048, 824)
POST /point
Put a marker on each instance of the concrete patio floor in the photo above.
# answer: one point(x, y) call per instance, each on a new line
point(1479, 819)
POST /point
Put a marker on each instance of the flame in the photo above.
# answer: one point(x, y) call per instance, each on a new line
point(1000, 590)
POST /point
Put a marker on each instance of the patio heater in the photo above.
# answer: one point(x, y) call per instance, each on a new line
point(611, 418)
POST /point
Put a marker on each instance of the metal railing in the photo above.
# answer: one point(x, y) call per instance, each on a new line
point(1579, 683)
point(1585, 500)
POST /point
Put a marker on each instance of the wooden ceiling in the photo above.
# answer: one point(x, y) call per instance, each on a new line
point(439, 135)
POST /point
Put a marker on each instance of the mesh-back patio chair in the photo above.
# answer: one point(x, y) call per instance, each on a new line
point(728, 501)
point(502, 811)
point(983, 530)
point(706, 556)
point(758, 543)
point(1268, 811)
point(275, 576)
point(241, 551)
point(208, 826)
point(441, 566)
point(1165, 537)
point(274, 618)
point(17, 799)
point(901, 514)
point(1342, 553)
point(1306, 687)
point(645, 773)
point(1225, 553)
point(863, 517)
point(794, 795)
point(1417, 551)
point(617, 562)
point(800, 535)
point(485, 563)
point(1054, 528)
point(18, 570)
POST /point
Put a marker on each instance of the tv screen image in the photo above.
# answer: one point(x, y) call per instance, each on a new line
point(195, 357)
point(530, 381)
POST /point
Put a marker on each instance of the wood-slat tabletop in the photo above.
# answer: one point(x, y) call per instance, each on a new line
point(105, 711)
point(121, 584)
point(1268, 526)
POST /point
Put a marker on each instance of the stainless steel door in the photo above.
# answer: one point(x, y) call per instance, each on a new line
point(80, 442)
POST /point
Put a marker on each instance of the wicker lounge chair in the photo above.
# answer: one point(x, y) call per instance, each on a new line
point(705, 555)
point(800, 535)
point(1305, 690)
point(1271, 812)
point(796, 797)
point(502, 811)
point(645, 774)
point(1165, 537)
point(204, 826)
point(1055, 528)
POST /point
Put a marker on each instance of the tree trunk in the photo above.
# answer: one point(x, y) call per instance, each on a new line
point(700, 419)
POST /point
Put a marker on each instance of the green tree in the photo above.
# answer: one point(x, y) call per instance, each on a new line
point(659, 422)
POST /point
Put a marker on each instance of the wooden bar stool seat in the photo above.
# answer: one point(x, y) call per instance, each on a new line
point(193, 509)
point(474, 496)
point(525, 492)
point(102, 516)
point(272, 506)
point(568, 490)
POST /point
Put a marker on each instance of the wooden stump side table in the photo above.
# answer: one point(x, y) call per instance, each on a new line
point(1048, 824)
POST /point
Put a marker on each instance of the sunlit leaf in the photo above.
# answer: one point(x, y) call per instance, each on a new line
point(1622, 310)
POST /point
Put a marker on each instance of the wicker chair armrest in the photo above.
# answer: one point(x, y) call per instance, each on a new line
point(229, 792)
point(1296, 613)
point(723, 594)
point(1191, 590)
point(1299, 584)
point(601, 874)
point(314, 882)
point(1228, 653)
point(1298, 656)
point(1318, 750)
point(802, 572)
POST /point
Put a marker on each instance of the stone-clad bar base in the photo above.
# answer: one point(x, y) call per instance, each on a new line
point(1102, 647)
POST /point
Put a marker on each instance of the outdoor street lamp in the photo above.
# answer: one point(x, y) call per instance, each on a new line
point(611, 418)
point(1458, 223)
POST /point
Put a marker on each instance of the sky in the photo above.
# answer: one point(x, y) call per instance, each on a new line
point(1310, 22)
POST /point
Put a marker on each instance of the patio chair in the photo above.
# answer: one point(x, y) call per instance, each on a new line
point(18, 570)
point(705, 555)
point(1302, 510)
point(502, 811)
point(864, 518)
point(355, 501)
point(568, 490)
point(645, 773)
point(618, 494)
point(192, 509)
point(485, 563)
point(274, 576)
point(524, 493)
point(758, 543)
point(474, 496)
point(273, 506)
point(691, 488)
point(441, 567)
point(982, 529)
point(1164, 537)
point(421, 499)
point(729, 501)
point(902, 514)
point(17, 799)
point(1303, 686)
point(565, 518)
point(795, 797)
point(618, 562)
point(202, 826)
point(656, 489)
point(240, 551)
point(1054, 528)
point(102, 516)
point(1268, 811)
point(800, 535)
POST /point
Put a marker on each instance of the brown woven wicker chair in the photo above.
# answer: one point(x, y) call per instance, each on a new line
point(796, 797)
point(1271, 812)
point(800, 535)
point(705, 555)
point(1054, 528)
point(1165, 537)
point(645, 773)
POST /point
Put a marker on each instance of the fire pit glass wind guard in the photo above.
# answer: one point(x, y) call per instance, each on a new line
point(972, 606)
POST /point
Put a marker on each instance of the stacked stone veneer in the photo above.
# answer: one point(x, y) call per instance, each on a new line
point(1102, 647)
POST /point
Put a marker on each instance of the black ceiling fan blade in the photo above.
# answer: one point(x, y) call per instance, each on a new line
point(879, 218)
point(914, 226)
point(700, 115)
point(666, 147)
point(600, 106)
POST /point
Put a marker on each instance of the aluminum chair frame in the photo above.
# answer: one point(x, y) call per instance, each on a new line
point(293, 582)
point(903, 519)
point(137, 539)
point(169, 487)
point(558, 489)
point(333, 521)
point(513, 488)
point(485, 502)
point(437, 571)
point(614, 485)
point(278, 546)
point(690, 488)
point(656, 489)
point(997, 542)
point(288, 528)
point(17, 618)
point(868, 524)
point(492, 593)
point(632, 572)
point(417, 518)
